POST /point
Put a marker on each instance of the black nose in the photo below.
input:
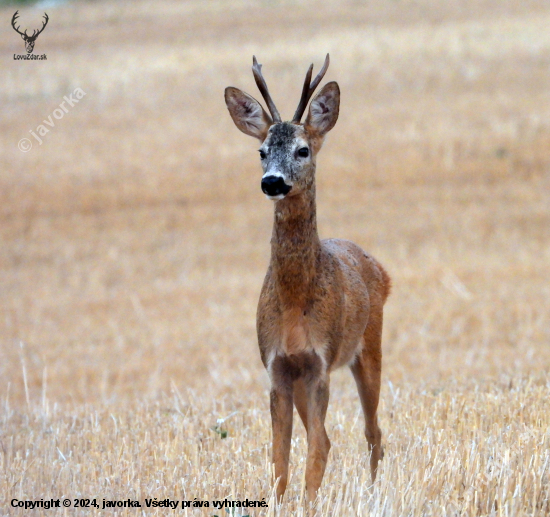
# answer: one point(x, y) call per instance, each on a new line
point(274, 186)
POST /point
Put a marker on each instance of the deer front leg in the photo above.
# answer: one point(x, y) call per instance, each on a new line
point(317, 440)
point(300, 400)
point(281, 421)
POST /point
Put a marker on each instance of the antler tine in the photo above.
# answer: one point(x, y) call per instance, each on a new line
point(305, 95)
point(262, 86)
point(308, 89)
point(44, 24)
point(13, 20)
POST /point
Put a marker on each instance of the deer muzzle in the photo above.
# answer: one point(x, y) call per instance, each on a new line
point(275, 187)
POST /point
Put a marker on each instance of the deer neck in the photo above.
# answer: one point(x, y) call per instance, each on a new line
point(295, 248)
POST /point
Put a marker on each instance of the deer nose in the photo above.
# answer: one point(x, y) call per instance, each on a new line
point(275, 186)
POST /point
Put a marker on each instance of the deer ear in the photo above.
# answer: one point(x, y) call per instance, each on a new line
point(324, 108)
point(247, 113)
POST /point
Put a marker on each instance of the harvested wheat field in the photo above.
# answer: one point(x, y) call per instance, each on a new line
point(135, 239)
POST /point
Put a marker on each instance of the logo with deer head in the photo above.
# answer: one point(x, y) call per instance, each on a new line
point(29, 40)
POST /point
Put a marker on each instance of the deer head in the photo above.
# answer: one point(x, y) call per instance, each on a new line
point(29, 40)
point(288, 149)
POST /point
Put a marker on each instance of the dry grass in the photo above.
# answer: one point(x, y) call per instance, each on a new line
point(135, 239)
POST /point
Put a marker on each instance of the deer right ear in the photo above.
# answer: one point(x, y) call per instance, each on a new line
point(247, 113)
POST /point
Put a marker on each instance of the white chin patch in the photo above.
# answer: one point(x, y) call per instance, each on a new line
point(275, 198)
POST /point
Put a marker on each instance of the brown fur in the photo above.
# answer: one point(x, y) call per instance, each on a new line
point(321, 305)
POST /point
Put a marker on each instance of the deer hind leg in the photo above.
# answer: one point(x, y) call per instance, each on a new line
point(317, 390)
point(367, 370)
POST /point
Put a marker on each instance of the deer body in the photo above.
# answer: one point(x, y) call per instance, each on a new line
point(321, 303)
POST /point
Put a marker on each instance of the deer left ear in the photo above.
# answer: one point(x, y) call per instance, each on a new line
point(324, 108)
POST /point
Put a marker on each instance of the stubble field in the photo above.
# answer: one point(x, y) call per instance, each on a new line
point(135, 237)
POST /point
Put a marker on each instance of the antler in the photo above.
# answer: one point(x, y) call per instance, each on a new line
point(262, 86)
point(43, 27)
point(13, 20)
point(34, 33)
point(308, 89)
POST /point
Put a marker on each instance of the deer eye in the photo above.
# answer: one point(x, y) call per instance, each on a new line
point(303, 152)
point(262, 154)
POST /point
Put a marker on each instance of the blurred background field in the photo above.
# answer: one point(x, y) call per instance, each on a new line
point(135, 238)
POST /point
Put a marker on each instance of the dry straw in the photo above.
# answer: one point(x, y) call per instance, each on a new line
point(135, 239)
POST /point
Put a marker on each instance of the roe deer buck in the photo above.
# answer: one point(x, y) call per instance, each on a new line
point(321, 302)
